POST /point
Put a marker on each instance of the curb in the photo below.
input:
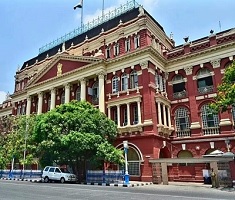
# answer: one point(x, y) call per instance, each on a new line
point(84, 183)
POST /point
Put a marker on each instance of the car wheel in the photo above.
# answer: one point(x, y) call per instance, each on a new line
point(46, 179)
point(62, 180)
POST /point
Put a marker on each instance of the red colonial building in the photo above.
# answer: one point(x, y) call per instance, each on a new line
point(157, 93)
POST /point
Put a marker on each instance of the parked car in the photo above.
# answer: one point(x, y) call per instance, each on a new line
point(51, 173)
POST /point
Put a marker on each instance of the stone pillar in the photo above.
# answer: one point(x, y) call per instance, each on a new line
point(67, 93)
point(139, 113)
point(83, 89)
point(128, 114)
point(169, 116)
point(28, 108)
point(164, 114)
point(52, 106)
point(159, 113)
point(118, 115)
point(101, 92)
point(164, 174)
point(109, 112)
point(40, 101)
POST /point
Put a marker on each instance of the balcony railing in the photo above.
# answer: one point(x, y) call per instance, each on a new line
point(184, 133)
point(211, 131)
point(204, 90)
point(179, 95)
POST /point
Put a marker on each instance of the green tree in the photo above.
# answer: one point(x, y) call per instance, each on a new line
point(75, 134)
point(226, 91)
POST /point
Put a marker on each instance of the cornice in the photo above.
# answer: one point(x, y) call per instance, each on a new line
point(209, 50)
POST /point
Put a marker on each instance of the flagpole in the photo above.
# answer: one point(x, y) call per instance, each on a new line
point(82, 16)
point(103, 11)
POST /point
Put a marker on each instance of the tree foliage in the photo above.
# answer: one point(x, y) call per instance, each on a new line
point(226, 91)
point(75, 133)
point(17, 139)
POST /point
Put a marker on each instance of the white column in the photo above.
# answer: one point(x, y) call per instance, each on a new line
point(67, 93)
point(101, 92)
point(40, 98)
point(164, 114)
point(83, 89)
point(109, 112)
point(128, 114)
point(52, 106)
point(159, 113)
point(169, 116)
point(139, 113)
point(28, 108)
point(118, 115)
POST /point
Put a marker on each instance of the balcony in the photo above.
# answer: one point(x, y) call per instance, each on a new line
point(179, 95)
point(204, 90)
point(183, 133)
point(211, 131)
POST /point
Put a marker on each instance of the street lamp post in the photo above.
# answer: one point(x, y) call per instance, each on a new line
point(25, 145)
point(126, 176)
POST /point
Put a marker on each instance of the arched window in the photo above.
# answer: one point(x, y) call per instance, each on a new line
point(185, 154)
point(78, 94)
point(178, 87)
point(209, 119)
point(124, 79)
point(204, 81)
point(62, 98)
point(133, 162)
point(95, 93)
point(182, 122)
point(133, 80)
point(115, 84)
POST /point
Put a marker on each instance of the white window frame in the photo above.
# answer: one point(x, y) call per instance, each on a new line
point(108, 52)
point(127, 44)
point(133, 80)
point(78, 94)
point(181, 113)
point(115, 84)
point(62, 98)
point(116, 49)
point(124, 80)
point(137, 41)
point(205, 119)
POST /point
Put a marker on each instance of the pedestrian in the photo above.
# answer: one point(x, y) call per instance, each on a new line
point(213, 178)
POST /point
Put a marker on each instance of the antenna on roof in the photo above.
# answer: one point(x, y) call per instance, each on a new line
point(219, 26)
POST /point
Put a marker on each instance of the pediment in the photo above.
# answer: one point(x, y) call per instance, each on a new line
point(61, 65)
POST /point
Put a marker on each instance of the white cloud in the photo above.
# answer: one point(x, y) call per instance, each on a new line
point(2, 96)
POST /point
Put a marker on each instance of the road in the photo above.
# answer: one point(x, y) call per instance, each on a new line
point(18, 190)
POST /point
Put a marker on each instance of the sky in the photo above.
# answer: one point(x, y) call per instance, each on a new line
point(27, 25)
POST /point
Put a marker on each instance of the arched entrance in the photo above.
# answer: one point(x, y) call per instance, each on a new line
point(134, 159)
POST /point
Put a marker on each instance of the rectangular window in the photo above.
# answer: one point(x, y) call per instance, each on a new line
point(127, 45)
point(135, 115)
point(108, 52)
point(116, 49)
point(137, 41)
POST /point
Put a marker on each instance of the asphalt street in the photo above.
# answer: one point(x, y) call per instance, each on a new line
point(21, 190)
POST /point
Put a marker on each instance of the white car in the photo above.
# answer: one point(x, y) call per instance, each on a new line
point(51, 173)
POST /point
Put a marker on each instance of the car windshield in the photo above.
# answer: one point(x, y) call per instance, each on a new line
point(64, 170)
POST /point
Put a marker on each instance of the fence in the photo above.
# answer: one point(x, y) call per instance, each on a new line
point(107, 176)
point(19, 174)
